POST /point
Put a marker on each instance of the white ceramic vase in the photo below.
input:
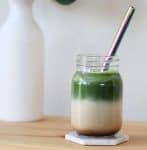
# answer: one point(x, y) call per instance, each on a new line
point(21, 65)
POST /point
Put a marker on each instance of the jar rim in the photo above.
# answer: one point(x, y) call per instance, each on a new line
point(96, 55)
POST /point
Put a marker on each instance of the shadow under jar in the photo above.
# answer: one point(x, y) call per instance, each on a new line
point(96, 96)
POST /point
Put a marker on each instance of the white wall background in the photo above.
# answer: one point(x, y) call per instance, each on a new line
point(89, 26)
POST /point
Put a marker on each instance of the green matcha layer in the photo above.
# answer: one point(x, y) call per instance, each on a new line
point(105, 86)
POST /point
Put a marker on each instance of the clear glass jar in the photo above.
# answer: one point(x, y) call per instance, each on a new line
point(96, 96)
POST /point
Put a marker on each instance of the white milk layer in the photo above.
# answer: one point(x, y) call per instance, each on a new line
point(97, 116)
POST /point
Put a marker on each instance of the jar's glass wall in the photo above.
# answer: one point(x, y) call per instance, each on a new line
point(96, 96)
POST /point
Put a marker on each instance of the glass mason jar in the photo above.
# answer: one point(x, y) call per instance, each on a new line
point(96, 96)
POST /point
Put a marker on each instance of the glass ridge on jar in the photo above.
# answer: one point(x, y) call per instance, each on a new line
point(96, 96)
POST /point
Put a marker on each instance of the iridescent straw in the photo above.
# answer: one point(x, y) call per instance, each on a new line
point(118, 38)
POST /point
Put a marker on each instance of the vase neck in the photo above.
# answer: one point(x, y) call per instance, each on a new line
point(21, 7)
point(21, 2)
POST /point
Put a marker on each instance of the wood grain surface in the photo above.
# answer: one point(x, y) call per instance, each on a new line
point(48, 134)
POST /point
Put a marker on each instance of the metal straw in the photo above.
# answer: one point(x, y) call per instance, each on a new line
point(118, 38)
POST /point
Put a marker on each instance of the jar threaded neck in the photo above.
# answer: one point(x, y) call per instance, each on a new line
point(94, 63)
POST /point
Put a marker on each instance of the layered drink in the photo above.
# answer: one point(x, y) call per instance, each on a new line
point(96, 101)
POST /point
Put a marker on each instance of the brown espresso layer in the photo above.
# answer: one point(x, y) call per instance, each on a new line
point(91, 132)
